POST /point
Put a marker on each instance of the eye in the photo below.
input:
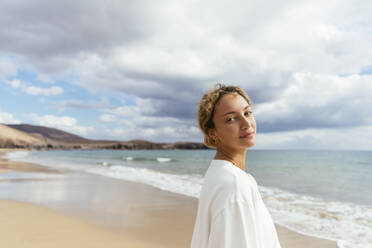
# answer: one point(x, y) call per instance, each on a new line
point(230, 119)
point(247, 113)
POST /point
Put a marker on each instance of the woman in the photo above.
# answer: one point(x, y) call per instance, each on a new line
point(231, 213)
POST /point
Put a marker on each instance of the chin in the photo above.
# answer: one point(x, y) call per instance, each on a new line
point(248, 143)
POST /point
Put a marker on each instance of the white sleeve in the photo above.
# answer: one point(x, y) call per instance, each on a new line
point(234, 226)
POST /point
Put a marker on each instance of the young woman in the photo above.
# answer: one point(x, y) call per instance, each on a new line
point(231, 213)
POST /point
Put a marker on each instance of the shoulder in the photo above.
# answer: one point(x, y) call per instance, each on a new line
point(236, 206)
point(253, 180)
point(222, 174)
point(225, 184)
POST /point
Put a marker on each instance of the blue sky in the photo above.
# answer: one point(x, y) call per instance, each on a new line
point(124, 70)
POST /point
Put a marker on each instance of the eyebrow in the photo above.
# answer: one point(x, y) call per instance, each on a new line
point(232, 112)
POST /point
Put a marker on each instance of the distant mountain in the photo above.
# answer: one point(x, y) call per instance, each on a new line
point(49, 133)
point(39, 137)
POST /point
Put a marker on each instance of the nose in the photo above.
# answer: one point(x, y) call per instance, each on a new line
point(247, 123)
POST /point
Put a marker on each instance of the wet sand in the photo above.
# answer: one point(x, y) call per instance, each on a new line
point(50, 211)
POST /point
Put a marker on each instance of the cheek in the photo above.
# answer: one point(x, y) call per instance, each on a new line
point(254, 122)
point(229, 131)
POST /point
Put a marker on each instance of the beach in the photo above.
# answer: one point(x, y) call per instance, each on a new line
point(74, 209)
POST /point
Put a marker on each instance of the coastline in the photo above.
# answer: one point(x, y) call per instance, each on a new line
point(129, 213)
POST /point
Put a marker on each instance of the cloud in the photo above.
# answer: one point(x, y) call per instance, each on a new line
point(66, 33)
point(305, 64)
point(107, 118)
point(78, 104)
point(66, 123)
point(7, 118)
point(318, 101)
point(166, 133)
point(347, 138)
point(50, 120)
point(173, 71)
point(7, 68)
point(135, 122)
point(45, 78)
point(35, 91)
point(15, 83)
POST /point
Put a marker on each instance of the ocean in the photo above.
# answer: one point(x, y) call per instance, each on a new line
point(326, 194)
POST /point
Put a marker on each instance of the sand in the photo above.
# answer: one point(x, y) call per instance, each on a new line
point(11, 136)
point(83, 210)
point(26, 225)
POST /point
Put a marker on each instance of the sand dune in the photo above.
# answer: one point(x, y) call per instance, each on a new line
point(10, 137)
point(49, 134)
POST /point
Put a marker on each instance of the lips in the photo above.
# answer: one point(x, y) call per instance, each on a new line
point(247, 135)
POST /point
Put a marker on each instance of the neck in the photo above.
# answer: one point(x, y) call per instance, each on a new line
point(237, 157)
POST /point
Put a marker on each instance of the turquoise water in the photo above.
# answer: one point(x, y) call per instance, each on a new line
point(320, 193)
point(336, 175)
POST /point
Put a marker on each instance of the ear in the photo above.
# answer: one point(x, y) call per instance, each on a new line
point(212, 133)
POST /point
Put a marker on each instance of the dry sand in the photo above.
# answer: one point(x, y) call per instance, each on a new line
point(95, 211)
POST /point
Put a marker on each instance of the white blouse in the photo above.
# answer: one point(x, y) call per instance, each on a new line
point(231, 213)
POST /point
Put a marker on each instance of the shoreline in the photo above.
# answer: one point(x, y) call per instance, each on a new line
point(148, 215)
point(7, 166)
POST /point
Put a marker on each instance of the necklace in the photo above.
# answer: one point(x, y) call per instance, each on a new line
point(236, 165)
point(231, 161)
point(224, 157)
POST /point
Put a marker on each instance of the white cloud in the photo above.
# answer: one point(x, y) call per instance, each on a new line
point(141, 107)
point(126, 111)
point(7, 118)
point(351, 138)
point(66, 123)
point(292, 37)
point(51, 120)
point(322, 100)
point(169, 133)
point(299, 60)
point(79, 104)
point(32, 90)
point(329, 32)
point(135, 124)
point(7, 68)
point(15, 83)
point(107, 118)
point(45, 78)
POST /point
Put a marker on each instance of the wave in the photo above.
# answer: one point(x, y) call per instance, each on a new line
point(157, 159)
point(104, 163)
point(16, 155)
point(188, 184)
point(163, 159)
point(348, 224)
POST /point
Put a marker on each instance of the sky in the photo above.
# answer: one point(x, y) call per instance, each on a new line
point(136, 69)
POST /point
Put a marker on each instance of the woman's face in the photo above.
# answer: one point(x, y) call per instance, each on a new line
point(235, 126)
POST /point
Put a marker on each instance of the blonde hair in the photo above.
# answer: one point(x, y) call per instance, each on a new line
point(207, 105)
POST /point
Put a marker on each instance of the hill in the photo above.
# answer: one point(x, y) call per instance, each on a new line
point(12, 138)
point(49, 133)
point(40, 137)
